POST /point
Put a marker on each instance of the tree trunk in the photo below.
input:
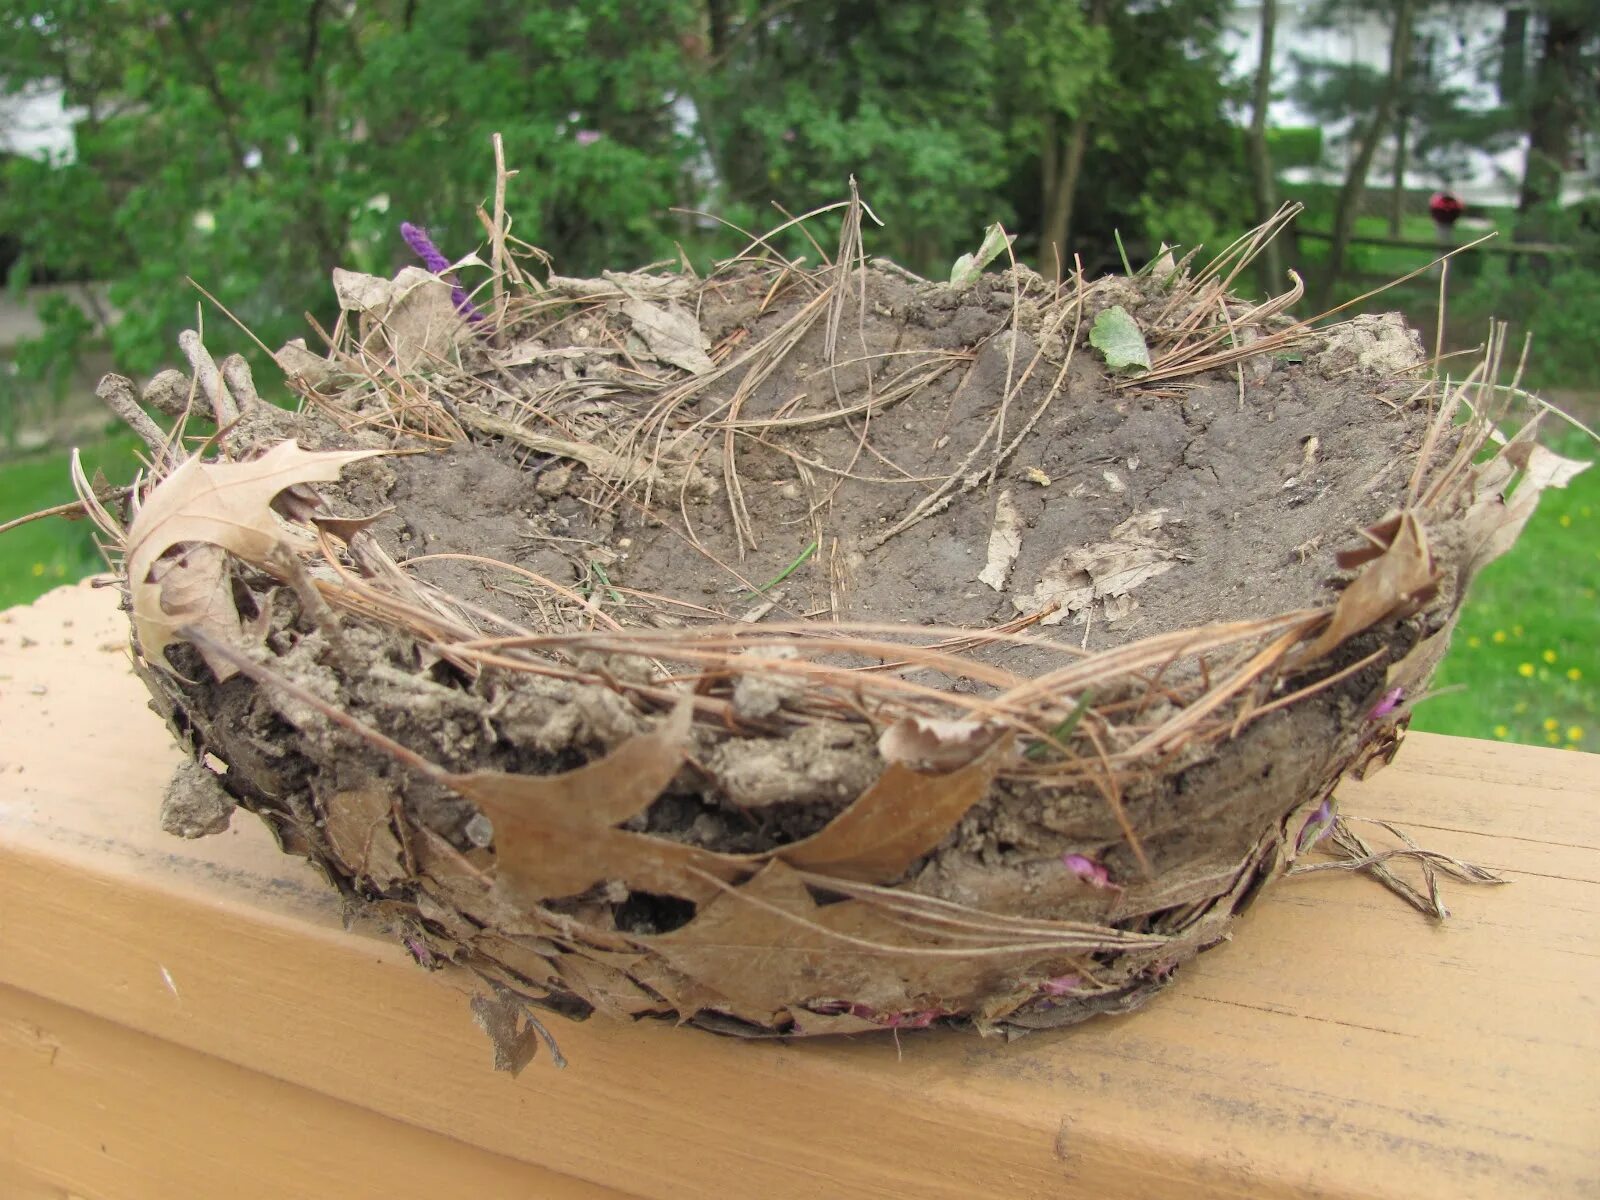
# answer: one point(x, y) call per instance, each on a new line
point(1055, 242)
point(1397, 190)
point(1552, 113)
point(1264, 187)
point(719, 20)
point(1060, 168)
point(1355, 176)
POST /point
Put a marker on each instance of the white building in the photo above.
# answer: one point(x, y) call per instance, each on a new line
point(1464, 46)
point(37, 123)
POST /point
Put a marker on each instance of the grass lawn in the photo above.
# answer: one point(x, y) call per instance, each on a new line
point(1524, 665)
point(44, 554)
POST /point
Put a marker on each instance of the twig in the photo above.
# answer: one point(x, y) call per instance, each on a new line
point(116, 393)
point(241, 384)
point(209, 378)
point(66, 510)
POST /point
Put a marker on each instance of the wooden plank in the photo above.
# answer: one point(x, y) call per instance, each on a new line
point(1342, 1046)
point(90, 1108)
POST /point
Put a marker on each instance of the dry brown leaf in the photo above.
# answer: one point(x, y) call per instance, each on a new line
point(686, 996)
point(812, 1024)
point(195, 587)
point(1102, 570)
point(296, 361)
point(346, 528)
point(671, 333)
point(413, 315)
point(227, 504)
point(534, 962)
point(513, 1031)
point(1494, 522)
point(1005, 541)
point(554, 835)
point(898, 819)
point(930, 744)
point(1401, 577)
point(759, 946)
point(608, 987)
point(359, 831)
point(767, 945)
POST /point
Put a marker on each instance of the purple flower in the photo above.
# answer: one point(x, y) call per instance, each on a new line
point(420, 952)
point(1390, 702)
point(587, 137)
point(1317, 824)
point(417, 238)
point(898, 1020)
point(1087, 870)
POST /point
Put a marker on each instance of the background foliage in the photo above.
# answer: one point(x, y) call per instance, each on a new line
point(255, 147)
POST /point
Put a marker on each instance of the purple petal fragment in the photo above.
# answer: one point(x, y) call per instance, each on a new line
point(1391, 701)
point(1317, 824)
point(1087, 870)
point(422, 245)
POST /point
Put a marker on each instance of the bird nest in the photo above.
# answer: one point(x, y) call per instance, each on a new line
point(808, 649)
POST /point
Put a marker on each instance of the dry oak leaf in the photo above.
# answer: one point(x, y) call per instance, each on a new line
point(932, 744)
point(358, 829)
point(1494, 521)
point(1394, 583)
point(1103, 571)
point(1005, 542)
point(768, 945)
point(226, 504)
point(554, 835)
point(898, 819)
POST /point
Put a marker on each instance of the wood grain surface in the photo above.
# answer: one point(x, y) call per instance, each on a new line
point(191, 1019)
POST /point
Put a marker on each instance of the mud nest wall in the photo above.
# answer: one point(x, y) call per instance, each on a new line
point(809, 650)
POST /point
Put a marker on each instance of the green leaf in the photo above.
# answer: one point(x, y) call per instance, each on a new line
point(969, 266)
point(1116, 335)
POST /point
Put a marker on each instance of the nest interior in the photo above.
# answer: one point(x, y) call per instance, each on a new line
point(808, 650)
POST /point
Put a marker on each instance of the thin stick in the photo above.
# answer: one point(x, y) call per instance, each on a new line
point(66, 510)
point(116, 393)
point(498, 240)
point(209, 378)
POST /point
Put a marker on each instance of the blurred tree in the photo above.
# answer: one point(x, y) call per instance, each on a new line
point(1133, 97)
point(796, 98)
point(254, 147)
point(1562, 96)
point(1263, 179)
point(1368, 99)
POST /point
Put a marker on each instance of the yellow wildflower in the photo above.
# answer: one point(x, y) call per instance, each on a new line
point(1474, 641)
point(1553, 738)
point(1549, 656)
point(1574, 733)
point(1500, 731)
point(1525, 670)
point(1551, 723)
point(1499, 635)
point(38, 570)
point(1574, 674)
